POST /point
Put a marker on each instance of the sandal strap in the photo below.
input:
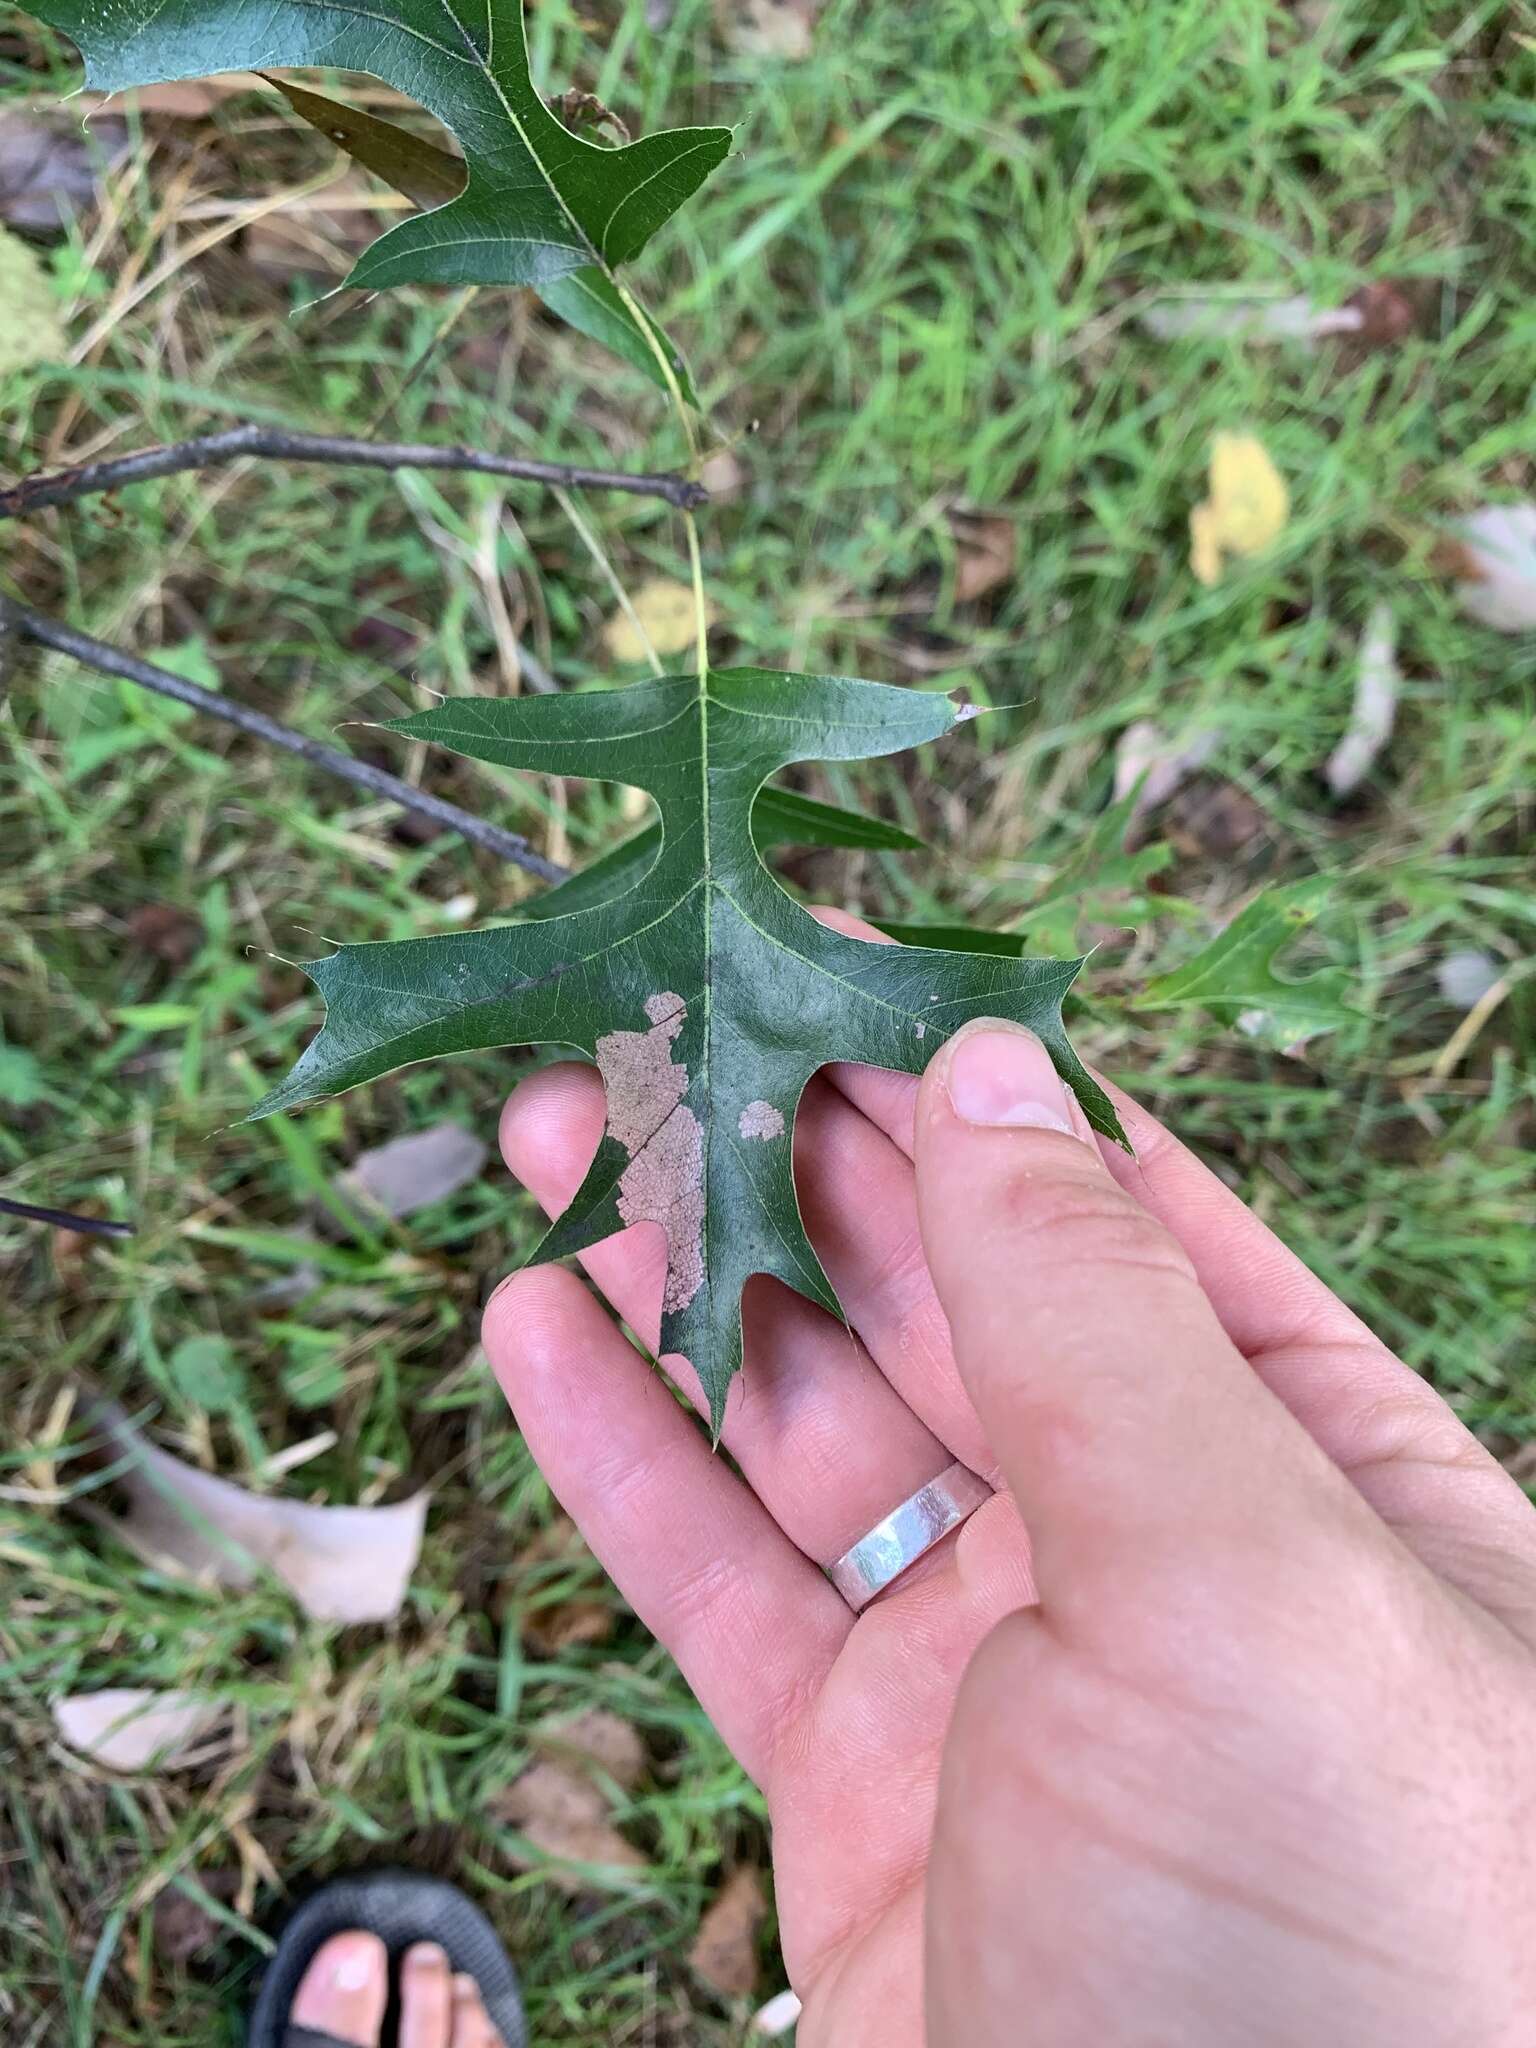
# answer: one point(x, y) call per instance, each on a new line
point(306, 2037)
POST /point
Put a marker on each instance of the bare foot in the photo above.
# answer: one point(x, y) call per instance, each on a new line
point(346, 1988)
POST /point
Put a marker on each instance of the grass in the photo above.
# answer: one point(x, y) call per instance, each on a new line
point(917, 281)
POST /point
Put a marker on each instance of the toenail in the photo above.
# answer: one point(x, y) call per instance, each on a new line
point(426, 1955)
point(353, 1968)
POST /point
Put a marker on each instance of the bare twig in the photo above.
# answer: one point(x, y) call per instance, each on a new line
point(203, 451)
point(64, 1219)
point(27, 624)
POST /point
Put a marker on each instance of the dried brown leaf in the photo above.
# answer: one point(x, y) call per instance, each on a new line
point(565, 1816)
point(558, 1625)
point(169, 932)
point(1388, 314)
point(724, 1952)
point(317, 238)
point(598, 1737)
point(51, 166)
point(1212, 820)
point(986, 545)
point(549, 1630)
point(181, 1927)
point(187, 99)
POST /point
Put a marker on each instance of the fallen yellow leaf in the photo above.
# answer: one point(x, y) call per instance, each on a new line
point(667, 616)
point(1246, 510)
point(31, 330)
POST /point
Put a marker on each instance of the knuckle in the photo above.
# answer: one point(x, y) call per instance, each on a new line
point(1075, 1221)
point(900, 1267)
point(701, 1590)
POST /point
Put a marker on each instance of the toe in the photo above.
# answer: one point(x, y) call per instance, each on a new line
point(426, 1998)
point(345, 1989)
point(471, 2022)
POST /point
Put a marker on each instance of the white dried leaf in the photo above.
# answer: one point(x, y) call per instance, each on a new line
point(1464, 978)
point(342, 1564)
point(1145, 750)
point(128, 1728)
point(412, 1172)
point(1499, 543)
point(1227, 316)
point(1377, 681)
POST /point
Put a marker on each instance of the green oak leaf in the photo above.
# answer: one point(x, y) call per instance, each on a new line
point(538, 203)
point(780, 817)
point(586, 299)
point(953, 938)
point(1236, 970)
point(706, 995)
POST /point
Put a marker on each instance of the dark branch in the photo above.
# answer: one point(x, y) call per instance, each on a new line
point(112, 661)
point(64, 1219)
point(203, 451)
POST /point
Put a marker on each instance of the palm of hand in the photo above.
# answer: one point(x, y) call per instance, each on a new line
point(1164, 1664)
point(842, 1721)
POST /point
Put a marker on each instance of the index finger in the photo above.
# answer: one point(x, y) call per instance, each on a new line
point(1340, 1381)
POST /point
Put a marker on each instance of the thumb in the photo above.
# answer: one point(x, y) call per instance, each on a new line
point(1130, 1430)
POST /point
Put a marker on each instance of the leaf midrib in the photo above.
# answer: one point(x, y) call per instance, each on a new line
point(708, 879)
point(475, 62)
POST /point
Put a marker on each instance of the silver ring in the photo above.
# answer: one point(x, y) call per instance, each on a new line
point(906, 1534)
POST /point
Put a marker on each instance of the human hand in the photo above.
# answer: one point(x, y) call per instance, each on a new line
point(1258, 1766)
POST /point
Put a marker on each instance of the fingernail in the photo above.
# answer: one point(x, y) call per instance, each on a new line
point(1002, 1074)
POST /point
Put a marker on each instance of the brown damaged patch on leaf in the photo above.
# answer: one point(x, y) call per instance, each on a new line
point(664, 1181)
point(565, 1816)
point(761, 1120)
point(724, 1952)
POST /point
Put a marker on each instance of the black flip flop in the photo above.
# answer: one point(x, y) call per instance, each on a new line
point(401, 1907)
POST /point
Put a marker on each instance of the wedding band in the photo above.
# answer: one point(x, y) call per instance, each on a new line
point(906, 1534)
